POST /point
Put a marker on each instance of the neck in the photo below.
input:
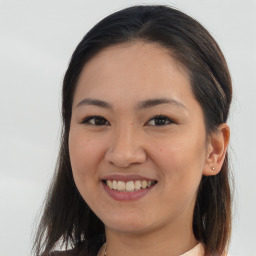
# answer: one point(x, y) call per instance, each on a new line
point(169, 243)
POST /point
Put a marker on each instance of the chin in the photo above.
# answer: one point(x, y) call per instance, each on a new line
point(128, 224)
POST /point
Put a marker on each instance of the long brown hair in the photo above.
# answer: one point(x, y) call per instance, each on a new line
point(67, 218)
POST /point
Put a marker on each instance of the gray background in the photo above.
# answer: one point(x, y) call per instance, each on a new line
point(37, 39)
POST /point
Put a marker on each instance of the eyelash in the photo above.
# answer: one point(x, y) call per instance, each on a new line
point(89, 118)
point(100, 118)
point(166, 119)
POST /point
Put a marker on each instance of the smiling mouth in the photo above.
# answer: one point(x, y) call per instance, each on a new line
point(129, 186)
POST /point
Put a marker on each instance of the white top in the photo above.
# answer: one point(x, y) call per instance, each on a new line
point(198, 250)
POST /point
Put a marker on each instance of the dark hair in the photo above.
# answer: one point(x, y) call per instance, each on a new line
point(66, 217)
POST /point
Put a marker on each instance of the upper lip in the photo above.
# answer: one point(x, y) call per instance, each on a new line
point(126, 178)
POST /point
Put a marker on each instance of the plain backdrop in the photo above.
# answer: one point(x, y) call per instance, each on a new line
point(37, 39)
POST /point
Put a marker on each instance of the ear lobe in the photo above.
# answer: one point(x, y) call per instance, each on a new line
point(216, 150)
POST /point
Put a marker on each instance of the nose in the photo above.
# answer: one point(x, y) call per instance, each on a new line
point(125, 149)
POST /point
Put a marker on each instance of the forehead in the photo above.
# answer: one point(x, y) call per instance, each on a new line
point(134, 68)
point(148, 54)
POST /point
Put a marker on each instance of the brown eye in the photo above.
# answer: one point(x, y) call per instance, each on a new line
point(160, 121)
point(95, 120)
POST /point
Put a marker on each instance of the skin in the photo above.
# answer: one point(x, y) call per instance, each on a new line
point(130, 141)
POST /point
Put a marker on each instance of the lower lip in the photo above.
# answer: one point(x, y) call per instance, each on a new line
point(126, 196)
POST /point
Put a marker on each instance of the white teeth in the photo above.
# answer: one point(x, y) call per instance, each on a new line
point(144, 184)
point(129, 186)
point(120, 185)
point(110, 184)
point(114, 184)
point(137, 184)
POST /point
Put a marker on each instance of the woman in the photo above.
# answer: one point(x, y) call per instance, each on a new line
point(143, 165)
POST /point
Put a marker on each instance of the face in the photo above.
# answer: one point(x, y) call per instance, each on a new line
point(137, 139)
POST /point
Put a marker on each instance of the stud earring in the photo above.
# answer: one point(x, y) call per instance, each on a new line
point(213, 168)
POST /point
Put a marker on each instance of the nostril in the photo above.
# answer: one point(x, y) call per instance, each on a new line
point(125, 158)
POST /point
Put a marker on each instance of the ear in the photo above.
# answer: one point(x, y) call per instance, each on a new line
point(216, 150)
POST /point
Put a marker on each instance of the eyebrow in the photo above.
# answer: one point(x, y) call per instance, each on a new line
point(154, 102)
point(95, 102)
point(141, 105)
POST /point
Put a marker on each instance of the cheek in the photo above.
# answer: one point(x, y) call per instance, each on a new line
point(181, 157)
point(181, 166)
point(84, 152)
point(82, 158)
